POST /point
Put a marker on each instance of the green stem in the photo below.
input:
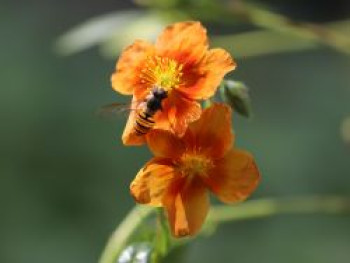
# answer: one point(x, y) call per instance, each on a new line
point(255, 14)
point(270, 207)
point(119, 239)
point(262, 42)
point(255, 209)
point(276, 22)
point(162, 241)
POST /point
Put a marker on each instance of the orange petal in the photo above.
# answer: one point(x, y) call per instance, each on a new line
point(187, 207)
point(234, 177)
point(165, 144)
point(186, 42)
point(181, 112)
point(130, 137)
point(129, 65)
point(152, 182)
point(212, 133)
point(209, 74)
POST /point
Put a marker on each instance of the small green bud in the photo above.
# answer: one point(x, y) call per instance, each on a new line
point(235, 93)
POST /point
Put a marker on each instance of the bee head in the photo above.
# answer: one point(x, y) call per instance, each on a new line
point(159, 93)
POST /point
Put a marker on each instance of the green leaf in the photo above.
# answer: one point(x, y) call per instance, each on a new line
point(137, 253)
point(145, 27)
point(124, 232)
point(159, 3)
point(94, 31)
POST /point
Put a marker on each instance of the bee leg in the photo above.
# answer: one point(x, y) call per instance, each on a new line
point(148, 97)
point(142, 105)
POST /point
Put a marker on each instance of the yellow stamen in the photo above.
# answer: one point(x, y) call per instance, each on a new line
point(162, 72)
point(195, 165)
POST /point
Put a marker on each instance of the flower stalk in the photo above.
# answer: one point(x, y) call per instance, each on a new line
point(268, 207)
point(255, 209)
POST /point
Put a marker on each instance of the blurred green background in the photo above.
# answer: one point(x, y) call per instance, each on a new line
point(64, 174)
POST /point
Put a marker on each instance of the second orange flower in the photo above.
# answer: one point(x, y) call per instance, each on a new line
point(184, 169)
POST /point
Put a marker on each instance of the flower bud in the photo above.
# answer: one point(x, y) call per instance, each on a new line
point(235, 93)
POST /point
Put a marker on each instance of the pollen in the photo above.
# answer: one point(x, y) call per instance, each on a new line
point(162, 72)
point(195, 165)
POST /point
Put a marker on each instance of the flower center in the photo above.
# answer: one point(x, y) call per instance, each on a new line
point(162, 72)
point(195, 165)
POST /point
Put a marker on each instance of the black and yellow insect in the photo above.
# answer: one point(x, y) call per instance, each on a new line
point(145, 110)
point(144, 119)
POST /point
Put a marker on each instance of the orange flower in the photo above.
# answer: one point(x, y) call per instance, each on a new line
point(181, 64)
point(178, 177)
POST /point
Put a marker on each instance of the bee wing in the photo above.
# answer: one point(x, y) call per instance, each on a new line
point(115, 109)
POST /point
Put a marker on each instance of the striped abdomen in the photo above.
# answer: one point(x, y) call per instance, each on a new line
point(144, 123)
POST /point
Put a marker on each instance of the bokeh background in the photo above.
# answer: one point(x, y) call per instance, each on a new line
point(64, 173)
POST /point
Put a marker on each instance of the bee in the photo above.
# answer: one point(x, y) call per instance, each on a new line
point(145, 110)
point(153, 103)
